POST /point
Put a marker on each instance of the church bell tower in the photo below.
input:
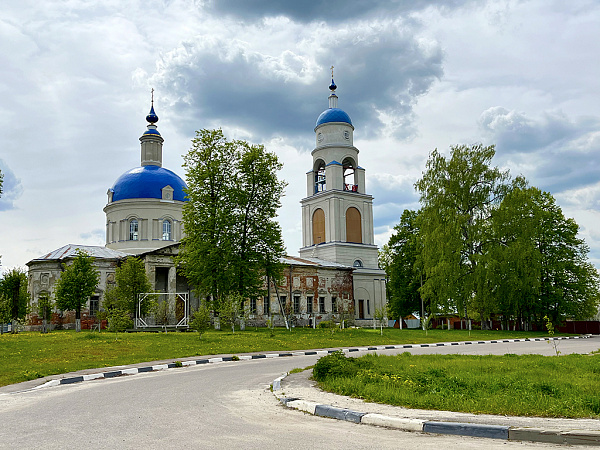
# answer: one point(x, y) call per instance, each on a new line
point(337, 213)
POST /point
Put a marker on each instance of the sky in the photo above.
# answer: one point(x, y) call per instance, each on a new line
point(413, 75)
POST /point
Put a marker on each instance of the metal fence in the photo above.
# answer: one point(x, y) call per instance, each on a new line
point(163, 309)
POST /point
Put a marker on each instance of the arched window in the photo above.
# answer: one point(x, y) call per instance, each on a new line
point(318, 226)
point(353, 226)
point(166, 230)
point(320, 180)
point(133, 230)
point(349, 167)
point(358, 263)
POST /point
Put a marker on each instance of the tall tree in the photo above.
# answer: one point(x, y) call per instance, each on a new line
point(131, 280)
point(400, 264)
point(543, 263)
point(13, 290)
point(76, 284)
point(259, 242)
point(208, 216)
point(231, 237)
point(458, 195)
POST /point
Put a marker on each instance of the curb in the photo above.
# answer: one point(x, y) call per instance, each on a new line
point(186, 363)
point(509, 433)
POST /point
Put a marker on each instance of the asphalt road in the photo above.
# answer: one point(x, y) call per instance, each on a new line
point(222, 405)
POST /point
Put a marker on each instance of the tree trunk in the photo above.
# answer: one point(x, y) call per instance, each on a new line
point(78, 319)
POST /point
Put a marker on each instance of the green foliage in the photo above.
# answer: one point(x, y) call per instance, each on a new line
point(336, 364)
point(119, 320)
point(326, 324)
point(13, 296)
point(231, 237)
point(400, 255)
point(230, 311)
point(379, 315)
point(76, 284)
point(131, 280)
point(458, 196)
point(200, 320)
point(163, 312)
point(484, 246)
point(45, 306)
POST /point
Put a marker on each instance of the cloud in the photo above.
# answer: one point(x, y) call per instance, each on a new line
point(11, 188)
point(96, 236)
point(232, 79)
point(515, 132)
point(555, 152)
point(332, 11)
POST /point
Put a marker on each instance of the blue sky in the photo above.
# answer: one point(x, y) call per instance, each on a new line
point(412, 75)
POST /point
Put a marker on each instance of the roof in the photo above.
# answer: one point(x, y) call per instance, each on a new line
point(314, 262)
point(147, 182)
point(333, 115)
point(70, 251)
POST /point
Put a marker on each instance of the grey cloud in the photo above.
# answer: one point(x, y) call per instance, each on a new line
point(11, 188)
point(515, 132)
point(93, 234)
point(323, 10)
point(229, 84)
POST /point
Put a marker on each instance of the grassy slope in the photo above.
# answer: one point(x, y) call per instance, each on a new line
point(26, 356)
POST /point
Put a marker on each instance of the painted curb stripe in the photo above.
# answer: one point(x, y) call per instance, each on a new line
point(467, 429)
point(71, 380)
point(338, 413)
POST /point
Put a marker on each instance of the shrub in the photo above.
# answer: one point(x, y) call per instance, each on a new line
point(338, 365)
point(200, 320)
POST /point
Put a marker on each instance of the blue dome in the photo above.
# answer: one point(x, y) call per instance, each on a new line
point(147, 182)
point(333, 115)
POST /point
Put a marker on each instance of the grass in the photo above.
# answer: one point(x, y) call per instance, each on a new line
point(31, 355)
point(525, 385)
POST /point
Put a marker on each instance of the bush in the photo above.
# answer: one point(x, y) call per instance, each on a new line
point(336, 364)
point(326, 324)
point(200, 320)
point(119, 320)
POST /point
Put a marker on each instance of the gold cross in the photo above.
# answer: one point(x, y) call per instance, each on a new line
point(152, 95)
point(332, 72)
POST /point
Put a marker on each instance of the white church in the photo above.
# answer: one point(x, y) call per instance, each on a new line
point(336, 273)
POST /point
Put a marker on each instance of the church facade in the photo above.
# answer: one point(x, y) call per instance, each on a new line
point(336, 275)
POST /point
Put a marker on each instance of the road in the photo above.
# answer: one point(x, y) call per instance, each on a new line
point(223, 405)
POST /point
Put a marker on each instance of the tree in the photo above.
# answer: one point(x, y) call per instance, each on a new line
point(76, 284)
point(458, 196)
point(540, 266)
point(13, 289)
point(200, 320)
point(45, 306)
point(131, 281)
point(231, 238)
point(230, 311)
point(400, 263)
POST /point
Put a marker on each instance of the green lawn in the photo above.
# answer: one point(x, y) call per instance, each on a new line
point(521, 385)
point(30, 355)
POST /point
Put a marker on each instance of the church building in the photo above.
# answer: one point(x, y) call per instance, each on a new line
point(336, 275)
